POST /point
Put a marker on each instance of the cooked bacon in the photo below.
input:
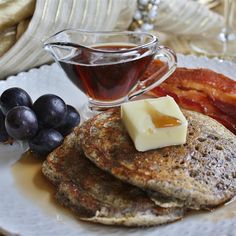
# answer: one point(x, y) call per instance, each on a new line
point(201, 90)
point(218, 87)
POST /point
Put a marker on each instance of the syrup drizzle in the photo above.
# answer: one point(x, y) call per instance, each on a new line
point(159, 119)
point(31, 182)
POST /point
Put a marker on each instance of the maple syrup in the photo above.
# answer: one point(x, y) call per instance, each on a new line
point(161, 120)
point(31, 182)
point(106, 80)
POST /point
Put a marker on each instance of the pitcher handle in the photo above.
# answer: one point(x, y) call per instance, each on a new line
point(154, 80)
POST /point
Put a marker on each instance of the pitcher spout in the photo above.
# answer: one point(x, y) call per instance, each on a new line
point(60, 46)
point(59, 50)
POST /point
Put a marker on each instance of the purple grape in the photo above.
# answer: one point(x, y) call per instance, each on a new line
point(13, 97)
point(45, 141)
point(21, 123)
point(71, 120)
point(50, 110)
point(3, 133)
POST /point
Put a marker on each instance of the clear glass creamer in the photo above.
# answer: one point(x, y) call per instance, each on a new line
point(108, 66)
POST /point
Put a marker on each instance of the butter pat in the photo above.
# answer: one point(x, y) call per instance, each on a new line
point(154, 123)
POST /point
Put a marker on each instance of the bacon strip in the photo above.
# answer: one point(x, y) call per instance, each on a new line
point(201, 90)
point(218, 87)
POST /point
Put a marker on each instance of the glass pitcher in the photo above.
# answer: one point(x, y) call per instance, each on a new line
point(108, 66)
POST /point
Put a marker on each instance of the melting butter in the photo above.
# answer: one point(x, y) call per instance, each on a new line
point(154, 123)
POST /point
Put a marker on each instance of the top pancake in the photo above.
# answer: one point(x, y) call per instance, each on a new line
point(200, 173)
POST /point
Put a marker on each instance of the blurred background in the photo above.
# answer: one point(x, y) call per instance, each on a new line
point(24, 24)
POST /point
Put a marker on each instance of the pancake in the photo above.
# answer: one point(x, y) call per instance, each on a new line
point(96, 196)
point(201, 173)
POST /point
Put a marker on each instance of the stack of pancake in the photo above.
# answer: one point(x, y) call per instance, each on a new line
point(102, 178)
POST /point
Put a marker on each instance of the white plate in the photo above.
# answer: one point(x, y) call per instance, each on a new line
point(21, 215)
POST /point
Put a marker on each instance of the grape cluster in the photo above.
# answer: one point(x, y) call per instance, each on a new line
point(43, 123)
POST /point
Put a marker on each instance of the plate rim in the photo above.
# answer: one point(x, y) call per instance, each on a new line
point(49, 67)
